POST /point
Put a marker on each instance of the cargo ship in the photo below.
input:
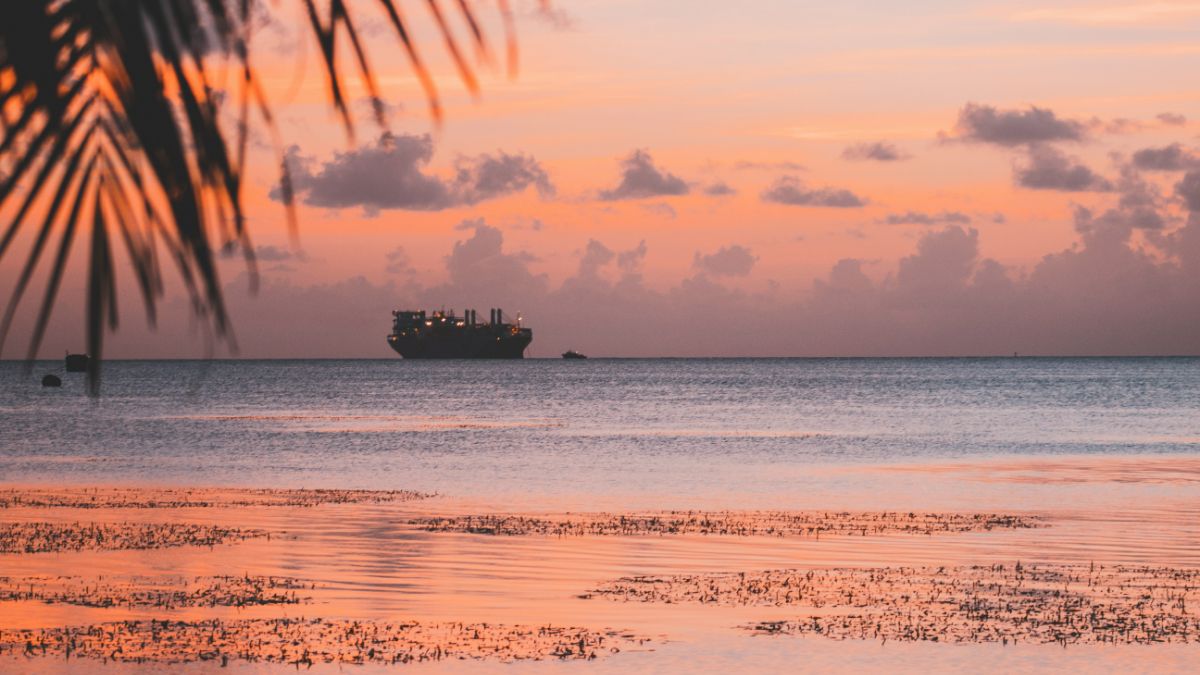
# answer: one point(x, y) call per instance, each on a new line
point(442, 335)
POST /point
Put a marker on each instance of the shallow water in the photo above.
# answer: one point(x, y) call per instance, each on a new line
point(369, 562)
point(1107, 449)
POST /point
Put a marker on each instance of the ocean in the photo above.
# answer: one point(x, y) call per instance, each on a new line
point(671, 431)
point(1104, 451)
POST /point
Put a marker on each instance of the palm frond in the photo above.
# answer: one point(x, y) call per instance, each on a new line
point(109, 118)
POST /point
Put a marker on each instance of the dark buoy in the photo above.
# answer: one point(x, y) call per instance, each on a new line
point(51, 380)
point(77, 363)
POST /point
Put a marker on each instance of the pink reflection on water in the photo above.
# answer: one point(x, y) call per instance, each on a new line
point(369, 561)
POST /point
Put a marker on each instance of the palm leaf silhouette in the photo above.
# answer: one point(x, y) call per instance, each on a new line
point(109, 118)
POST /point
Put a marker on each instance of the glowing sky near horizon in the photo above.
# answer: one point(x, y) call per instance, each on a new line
point(776, 156)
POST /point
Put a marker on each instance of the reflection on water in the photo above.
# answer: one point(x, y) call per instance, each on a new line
point(1165, 470)
point(1102, 451)
point(374, 561)
point(692, 428)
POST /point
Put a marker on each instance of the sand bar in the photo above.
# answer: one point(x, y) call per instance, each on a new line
point(45, 537)
point(304, 642)
point(732, 523)
point(1007, 603)
point(165, 593)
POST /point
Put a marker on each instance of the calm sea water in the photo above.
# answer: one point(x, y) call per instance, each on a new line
point(1109, 449)
point(663, 427)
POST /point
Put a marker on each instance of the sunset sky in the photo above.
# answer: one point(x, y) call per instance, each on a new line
point(733, 178)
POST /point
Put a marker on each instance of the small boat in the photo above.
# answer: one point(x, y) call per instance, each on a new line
point(572, 354)
point(77, 363)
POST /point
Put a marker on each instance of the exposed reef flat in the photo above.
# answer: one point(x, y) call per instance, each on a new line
point(42, 537)
point(732, 523)
point(162, 593)
point(305, 642)
point(174, 498)
point(1039, 603)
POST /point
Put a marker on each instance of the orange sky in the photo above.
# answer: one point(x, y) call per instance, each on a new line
point(743, 95)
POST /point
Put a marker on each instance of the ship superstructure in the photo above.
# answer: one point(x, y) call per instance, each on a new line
point(442, 335)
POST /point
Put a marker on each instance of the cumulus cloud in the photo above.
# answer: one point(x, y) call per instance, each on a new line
point(398, 261)
point(944, 260)
point(1114, 225)
point(391, 174)
point(640, 178)
point(1173, 157)
point(1011, 128)
point(879, 152)
point(595, 257)
point(728, 261)
point(719, 189)
point(1172, 119)
point(846, 279)
point(1188, 189)
point(1140, 206)
point(792, 191)
point(488, 176)
point(630, 261)
point(479, 265)
point(1136, 192)
point(1050, 169)
point(922, 218)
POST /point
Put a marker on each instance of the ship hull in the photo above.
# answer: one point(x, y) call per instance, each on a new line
point(466, 346)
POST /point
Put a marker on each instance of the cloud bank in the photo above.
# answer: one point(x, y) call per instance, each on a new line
point(1113, 292)
point(727, 261)
point(640, 178)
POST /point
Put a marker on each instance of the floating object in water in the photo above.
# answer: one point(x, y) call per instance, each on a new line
point(442, 335)
point(77, 363)
point(51, 380)
point(572, 354)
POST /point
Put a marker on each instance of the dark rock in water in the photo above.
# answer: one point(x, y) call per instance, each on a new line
point(51, 380)
point(77, 363)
